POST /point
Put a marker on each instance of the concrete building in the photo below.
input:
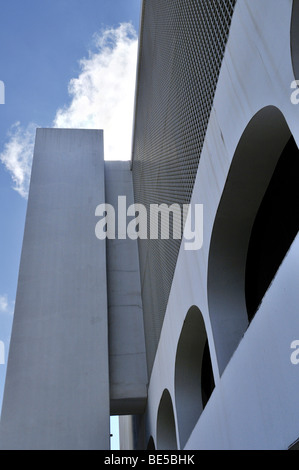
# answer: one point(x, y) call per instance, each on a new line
point(217, 124)
point(77, 349)
point(195, 349)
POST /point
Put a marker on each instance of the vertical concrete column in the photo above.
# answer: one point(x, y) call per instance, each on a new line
point(127, 355)
point(57, 388)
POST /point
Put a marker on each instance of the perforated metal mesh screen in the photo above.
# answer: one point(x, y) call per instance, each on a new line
point(182, 45)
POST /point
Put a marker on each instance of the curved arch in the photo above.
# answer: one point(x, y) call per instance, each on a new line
point(194, 380)
point(166, 433)
point(295, 38)
point(275, 228)
point(251, 170)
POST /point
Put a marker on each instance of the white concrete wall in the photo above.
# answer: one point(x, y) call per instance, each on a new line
point(254, 402)
point(255, 405)
point(57, 386)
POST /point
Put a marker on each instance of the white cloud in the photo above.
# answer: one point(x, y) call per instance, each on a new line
point(3, 303)
point(6, 306)
point(103, 93)
point(101, 97)
point(17, 156)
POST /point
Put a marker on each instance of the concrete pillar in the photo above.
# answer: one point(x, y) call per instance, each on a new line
point(127, 355)
point(57, 387)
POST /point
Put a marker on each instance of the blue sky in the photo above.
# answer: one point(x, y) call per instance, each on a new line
point(64, 63)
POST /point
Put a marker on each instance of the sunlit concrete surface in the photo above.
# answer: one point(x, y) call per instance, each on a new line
point(57, 387)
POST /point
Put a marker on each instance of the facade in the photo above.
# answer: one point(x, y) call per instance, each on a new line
point(193, 348)
point(217, 124)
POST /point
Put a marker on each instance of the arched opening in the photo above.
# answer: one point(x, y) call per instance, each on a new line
point(194, 380)
point(166, 433)
point(230, 266)
point(207, 375)
point(275, 228)
point(151, 444)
